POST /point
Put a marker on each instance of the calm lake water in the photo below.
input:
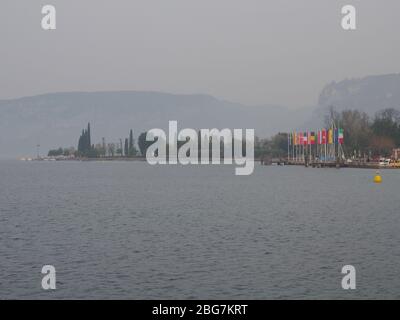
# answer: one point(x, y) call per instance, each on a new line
point(132, 231)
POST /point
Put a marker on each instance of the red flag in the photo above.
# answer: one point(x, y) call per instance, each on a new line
point(305, 138)
point(324, 136)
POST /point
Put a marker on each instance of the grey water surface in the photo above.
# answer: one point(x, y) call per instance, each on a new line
point(128, 230)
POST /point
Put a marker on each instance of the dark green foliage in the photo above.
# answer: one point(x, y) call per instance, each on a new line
point(85, 148)
point(131, 146)
point(143, 144)
point(387, 124)
point(56, 152)
point(365, 136)
point(60, 152)
point(275, 147)
point(126, 148)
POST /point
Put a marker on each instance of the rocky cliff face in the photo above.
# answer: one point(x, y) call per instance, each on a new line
point(369, 94)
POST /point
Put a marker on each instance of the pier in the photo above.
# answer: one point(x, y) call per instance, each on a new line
point(359, 164)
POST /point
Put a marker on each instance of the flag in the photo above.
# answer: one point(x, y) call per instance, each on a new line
point(311, 138)
point(336, 136)
point(305, 138)
point(290, 141)
point(300, 138)
point(330, 136)
point(340, 136)
point(323, 136)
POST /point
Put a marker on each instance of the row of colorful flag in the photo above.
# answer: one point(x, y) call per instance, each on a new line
point(322, 137)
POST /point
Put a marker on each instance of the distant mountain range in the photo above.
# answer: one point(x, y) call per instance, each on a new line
point(54, 120)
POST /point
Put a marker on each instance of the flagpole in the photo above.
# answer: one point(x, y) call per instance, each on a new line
point(294, 136)
point(294, 146)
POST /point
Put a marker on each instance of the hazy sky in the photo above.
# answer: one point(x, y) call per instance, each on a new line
point(248, 51)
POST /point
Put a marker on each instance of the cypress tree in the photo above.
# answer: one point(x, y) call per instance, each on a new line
point(84, 143)
point(80, 144)
point(89, 142)
point(130, 143)
point(126, 148)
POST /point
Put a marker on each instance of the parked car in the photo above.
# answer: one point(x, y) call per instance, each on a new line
point(384, 162)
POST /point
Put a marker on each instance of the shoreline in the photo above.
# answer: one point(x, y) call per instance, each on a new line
point(354, 165)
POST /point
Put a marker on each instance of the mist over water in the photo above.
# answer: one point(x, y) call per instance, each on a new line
point(128, 230)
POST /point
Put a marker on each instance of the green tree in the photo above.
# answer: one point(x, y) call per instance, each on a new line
point(387, 124)
point(56, 152)
point(126, 148)
point(131, 148)
point(357, 129)
point(143, 144)
point(84, 144)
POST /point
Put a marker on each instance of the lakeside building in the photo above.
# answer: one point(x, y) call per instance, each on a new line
point(396, 154)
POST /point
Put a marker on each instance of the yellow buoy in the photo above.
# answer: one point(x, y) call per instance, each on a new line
point(378, 178)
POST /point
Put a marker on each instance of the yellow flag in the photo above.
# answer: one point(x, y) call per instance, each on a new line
point(330, 136)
